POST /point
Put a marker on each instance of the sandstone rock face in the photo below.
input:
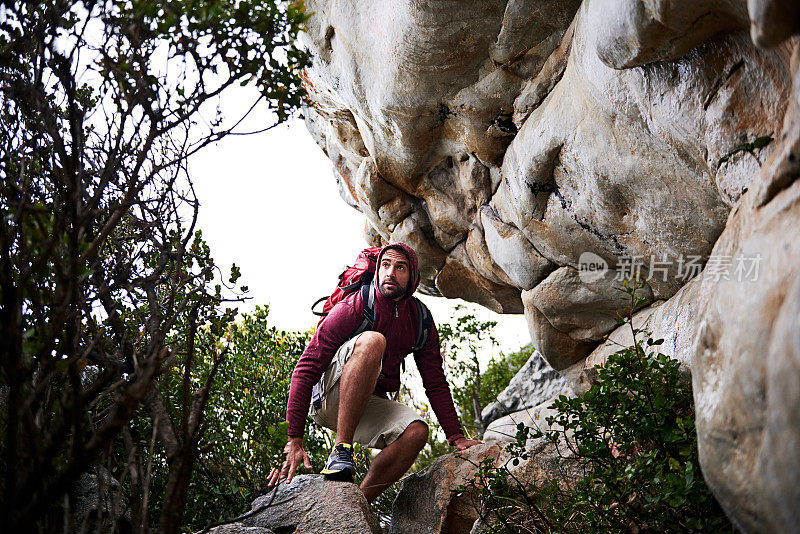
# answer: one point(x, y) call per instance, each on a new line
point(429, 502)
point(504, 430)
point(311, 504)
point(535, 382)
point(504, 139)
point(507, 141)
point(747, 357)
point(738, 326)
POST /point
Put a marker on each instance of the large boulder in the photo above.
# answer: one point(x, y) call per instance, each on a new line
point(737, 326)
point(534, 383)
point(430, 502)
point(313, 505)
point(504, 140)
point(746, 367)
point(503, 431)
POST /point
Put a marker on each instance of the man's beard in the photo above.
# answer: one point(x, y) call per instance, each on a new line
point(393, 293)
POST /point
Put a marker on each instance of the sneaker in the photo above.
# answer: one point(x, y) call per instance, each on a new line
point(340, 463)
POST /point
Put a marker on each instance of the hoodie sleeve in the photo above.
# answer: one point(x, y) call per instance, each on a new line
point(430, 364)
point(337, 328)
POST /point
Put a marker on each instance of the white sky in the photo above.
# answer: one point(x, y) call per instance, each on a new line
point(269, 203)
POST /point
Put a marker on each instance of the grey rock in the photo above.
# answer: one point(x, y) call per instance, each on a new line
point(534, 135)
point(97, 500)
point(312, 504)
point(459, 279)
point(534, 383)
point(504, 430)
point(430, 502)
point(238, 528)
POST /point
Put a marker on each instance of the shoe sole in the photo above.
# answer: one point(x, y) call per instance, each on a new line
point(344, 475)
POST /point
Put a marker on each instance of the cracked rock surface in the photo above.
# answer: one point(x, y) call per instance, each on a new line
point(503, 139)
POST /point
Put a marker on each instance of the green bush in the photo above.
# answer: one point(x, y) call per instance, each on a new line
point(631, 445)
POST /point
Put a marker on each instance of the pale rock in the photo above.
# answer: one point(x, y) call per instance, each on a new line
point(413, 230)
point(746, 370)
point(773, 21)
point(674, 321)
point(526, 23)
point(458, 279)
point(372, 194)
point(746, 365)
point(503, 431)
point(636, 32)
point(538, 87)
point(512, 252)
point(594, 305)
point(372, 236)
point(406, 67)
point(736, 326)
point(453, 191)
point(559, 349)
point(581, 156)
point(480, 257)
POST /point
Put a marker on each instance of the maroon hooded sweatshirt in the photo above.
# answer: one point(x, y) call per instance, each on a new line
point(397, 321)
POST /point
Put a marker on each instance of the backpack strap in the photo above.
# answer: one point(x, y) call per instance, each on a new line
point(368, 300)
point(315, 312)
point(424, 325)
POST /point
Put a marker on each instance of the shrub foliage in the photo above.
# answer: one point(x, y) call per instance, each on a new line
point(629, 453)
point(105, 285)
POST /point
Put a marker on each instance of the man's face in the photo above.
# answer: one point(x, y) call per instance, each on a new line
point(393, 274)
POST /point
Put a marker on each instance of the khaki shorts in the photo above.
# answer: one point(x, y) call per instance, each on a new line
point(383, 420)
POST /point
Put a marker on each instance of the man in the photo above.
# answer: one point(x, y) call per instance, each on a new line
point(355, 374)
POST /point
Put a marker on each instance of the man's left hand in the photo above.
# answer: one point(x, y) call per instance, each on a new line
point(464, 443)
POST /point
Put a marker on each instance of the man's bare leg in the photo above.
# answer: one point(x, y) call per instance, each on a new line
point(357, 383)
point(394, 460)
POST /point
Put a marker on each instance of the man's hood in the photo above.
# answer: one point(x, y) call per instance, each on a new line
point(413, 265)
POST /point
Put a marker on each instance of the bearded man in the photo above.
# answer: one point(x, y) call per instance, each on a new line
point(354, 375)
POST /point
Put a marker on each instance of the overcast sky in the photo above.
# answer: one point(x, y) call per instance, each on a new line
point(269, 203)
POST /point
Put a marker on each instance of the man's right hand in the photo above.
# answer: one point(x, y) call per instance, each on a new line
point(295, 456)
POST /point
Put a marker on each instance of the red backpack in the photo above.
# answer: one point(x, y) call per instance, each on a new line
point(351, 279)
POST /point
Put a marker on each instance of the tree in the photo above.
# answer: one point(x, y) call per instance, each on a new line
point(245, 423)
point(104, 282)
point(462, 340)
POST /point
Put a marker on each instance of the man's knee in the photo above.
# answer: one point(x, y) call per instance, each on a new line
point(416, 434)
point(371, 345)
